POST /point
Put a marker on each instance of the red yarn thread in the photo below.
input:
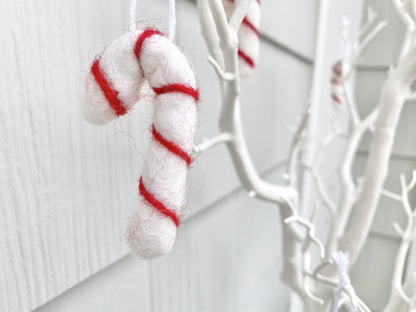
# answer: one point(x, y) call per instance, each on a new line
point(335, 81)
point(336, 98)
point(109, 92)
point(157, 204)
point(246, 58)
point(147, 33)
point(251, 26)
point(337, 68)
point(177, 87)
point(172, 147)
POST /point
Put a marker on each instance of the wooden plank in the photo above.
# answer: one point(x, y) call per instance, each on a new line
point(227, 256)
point(372, 275)
point(227, 260)
point(293, 23)
point(122, 286)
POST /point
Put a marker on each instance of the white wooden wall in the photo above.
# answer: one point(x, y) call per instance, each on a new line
point(67, 187)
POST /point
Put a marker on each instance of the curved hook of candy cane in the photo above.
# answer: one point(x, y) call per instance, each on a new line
point(248, 37)
point(113, 87)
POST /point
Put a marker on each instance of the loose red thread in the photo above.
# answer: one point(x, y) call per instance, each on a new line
point(157, 204)
point(246, 58)
point(172, 147)
point(109, 92)
point(147, 33)
point(180, 88)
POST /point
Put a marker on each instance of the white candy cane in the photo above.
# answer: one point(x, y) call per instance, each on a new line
point(113, 87)
point(248, 36)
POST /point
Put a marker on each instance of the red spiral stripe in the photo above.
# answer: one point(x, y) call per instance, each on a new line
point(110, 93)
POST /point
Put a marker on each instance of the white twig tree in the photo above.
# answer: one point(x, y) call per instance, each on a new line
point(352, 214)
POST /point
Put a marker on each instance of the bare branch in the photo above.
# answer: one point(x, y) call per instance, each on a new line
point(295, 147)
point(310, 230)
point(369, 37)
point(214, 141)
point(220, 72)
point(238, 14)
point(322, 190)
point(391, 195)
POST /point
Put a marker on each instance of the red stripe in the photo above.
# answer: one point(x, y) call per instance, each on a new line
point(147, 33)
point(246, 58)
point(336, 98)
point(251, 26)
point(172, 147)
point(337, 68)
point(177, 87)
point(157, 204)
point(109, 92)
point(335, 81)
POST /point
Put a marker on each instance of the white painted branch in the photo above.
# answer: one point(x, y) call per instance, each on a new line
point(322, 190)
point(209, 143)
point(393, 95)
point(351, 104)
point(349, 188)
point(295, 148)
point(310, 230)
point(391, 195)
point(400, 300)
point(408, 43)
point(371, 17)
point(370, 36)
point(230, 122)
point(361, 306)
point(220, 72)
point(209, 31)
point(358, 127)
point(314, 172)
point(238, 14)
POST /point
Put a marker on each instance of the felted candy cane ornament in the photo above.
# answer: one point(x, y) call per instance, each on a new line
point(113, 87)
point(248, 36)
point(337, 92)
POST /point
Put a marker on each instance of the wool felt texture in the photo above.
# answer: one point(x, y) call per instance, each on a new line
point(248, 36)
point(112, 88)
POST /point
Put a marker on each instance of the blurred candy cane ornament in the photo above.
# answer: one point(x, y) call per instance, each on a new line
point(112, 88)
point(248, 36)
point(341, 69)
point(337, 91)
